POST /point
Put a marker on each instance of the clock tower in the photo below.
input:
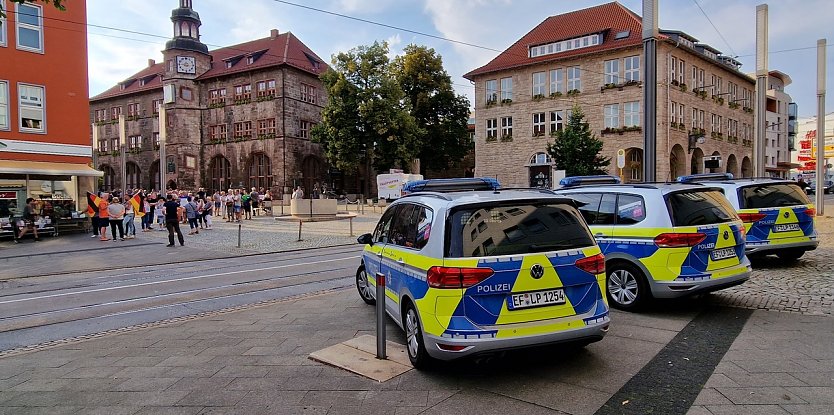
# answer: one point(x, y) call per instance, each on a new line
point(186, 58)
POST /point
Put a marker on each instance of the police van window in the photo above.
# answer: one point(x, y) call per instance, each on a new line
point(607, 210)
point(771, 195)
point(424, 218)
point(692, 208)
point(630, 210)
point(515, 229)
point(589, 205)
point(383, 228)
point(404, 230)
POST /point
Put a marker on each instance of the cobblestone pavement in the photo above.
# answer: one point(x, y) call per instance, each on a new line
point(805, 287)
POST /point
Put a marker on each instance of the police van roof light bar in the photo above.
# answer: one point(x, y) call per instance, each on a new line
point(575, 181)
point(692, 178)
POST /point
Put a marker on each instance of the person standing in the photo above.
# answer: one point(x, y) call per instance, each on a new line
point(103, 216)
point(28, 220)
point(130, 215)
point(116, 212)
point(254, 198)
point(191, 215)
point(298, 193)
point(169, 208)
point(229, 199)
point(247, 205)
point(207, 210)
point(160, 213)
point(238, 201)
point(146, 220)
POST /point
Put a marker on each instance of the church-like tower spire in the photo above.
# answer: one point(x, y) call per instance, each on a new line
point(186, 29)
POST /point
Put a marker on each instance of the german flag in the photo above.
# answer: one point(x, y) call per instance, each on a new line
point(92, 204)
point(138, 204)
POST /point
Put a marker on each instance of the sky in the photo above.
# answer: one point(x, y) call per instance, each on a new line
point(123, 35)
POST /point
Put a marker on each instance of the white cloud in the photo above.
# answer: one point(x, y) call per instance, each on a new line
point(363, 6)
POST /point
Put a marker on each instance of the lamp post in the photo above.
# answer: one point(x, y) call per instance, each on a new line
point(819, 193)
point(123, 151)
point(163, 137)
point(650, 32)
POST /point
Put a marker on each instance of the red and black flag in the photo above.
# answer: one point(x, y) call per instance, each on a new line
point(138, 203)
point(92, 204)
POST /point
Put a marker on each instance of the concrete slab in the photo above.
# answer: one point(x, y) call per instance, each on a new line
point(356, 355)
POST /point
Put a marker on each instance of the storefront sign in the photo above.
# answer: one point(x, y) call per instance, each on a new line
point(8, 195)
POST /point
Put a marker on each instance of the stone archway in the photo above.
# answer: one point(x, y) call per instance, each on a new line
point(313, 173)
point(153, 175)
point(716, 169)
point(732, 165)
point(696, 164)
point(677, 162)
point(746, 167)
point(633, 171)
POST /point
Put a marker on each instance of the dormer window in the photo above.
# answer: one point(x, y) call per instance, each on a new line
point(564, 45)
point(230, 62)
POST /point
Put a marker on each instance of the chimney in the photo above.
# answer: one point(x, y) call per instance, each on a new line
point(151, 62)
point(273, 34)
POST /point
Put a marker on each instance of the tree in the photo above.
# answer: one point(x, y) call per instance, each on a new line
point(58, 4)
point(440, 113)
point(366, 118)
point(576, 150)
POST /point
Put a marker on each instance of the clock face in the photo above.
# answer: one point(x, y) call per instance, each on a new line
point(186, 64)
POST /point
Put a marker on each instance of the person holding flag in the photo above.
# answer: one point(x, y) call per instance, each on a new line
point(134, 207)
point(92, 211)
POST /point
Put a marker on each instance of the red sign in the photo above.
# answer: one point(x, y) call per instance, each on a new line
point(8, 195)
point(805, 144)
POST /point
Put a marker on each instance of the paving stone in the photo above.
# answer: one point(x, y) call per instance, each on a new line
point(709, 396)
point(809, 409)
point(746, 410)
point(760, 396)
point(814, 394)
point(210, 397)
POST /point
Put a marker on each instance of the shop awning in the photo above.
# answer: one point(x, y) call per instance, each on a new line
point(47, 169)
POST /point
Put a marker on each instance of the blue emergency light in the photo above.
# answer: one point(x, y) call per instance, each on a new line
point(575, 181)
point(693, 178)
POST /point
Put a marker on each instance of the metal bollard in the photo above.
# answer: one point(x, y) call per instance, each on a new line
point(299, 230)
point(380, 316)
point(351, 226)
point(238, 235)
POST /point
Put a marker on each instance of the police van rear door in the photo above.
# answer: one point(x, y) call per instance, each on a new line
point(773, 211)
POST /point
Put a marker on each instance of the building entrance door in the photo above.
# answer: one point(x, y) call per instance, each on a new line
point(540, 176)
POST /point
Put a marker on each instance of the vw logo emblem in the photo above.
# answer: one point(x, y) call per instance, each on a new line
point(786, 215)
point(537, 271)
point(726, 235)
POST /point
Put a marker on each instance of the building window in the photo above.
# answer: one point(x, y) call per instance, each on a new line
point(681, 117)
point(109, 177)
point(134, 141)
point(611, 114)
point(243, 129)
point(260, 171)
point(506, 126)
point(673, 70)
point(115, 112)
point(100, 115)
point(155, 137)
point(218, 132)
point(539, 79)
point(4, 104)
point(694, 118)
point(102, 145)
point(491, 91)
point(221, 173)
point(673, 113)
point(563, 45)
point(540, 159)
point(132, 110)
point(29, 27)
point(492, 128)
point(308, 93)
point(631, 65)
point(631, 114)
point(636, 174)
point(2, 31)
point(243, 92)
point(32, 114)
point(156, 104)
point(701, 119)
point(266, 127)
point(132, 174)
point(266, 88)
point(681, 72)
point(506, 89)
point(574, 79)
point(218, 96)
point(720, 122)
point(612, 71)
point(538, 124)
point(303, 128)
point(115, 145)
point(557, 81)
point(557, 121)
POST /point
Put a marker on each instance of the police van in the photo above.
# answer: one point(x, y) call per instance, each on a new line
point(777, 214)
point(661, 240)
point(484, 271)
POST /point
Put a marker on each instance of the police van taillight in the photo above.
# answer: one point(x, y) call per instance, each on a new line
point(452, 277)
point(751, 217)
point(678, 240)
point(593, 264)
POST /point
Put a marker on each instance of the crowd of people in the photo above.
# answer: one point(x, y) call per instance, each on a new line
point(168, 210)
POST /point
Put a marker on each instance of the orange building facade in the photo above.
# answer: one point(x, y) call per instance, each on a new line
point(45, 150)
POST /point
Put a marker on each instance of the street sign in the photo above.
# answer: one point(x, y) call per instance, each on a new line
point(620, 158)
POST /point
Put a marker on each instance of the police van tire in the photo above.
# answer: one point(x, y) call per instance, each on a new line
point(364, 286)
point(415, 347)
point(790, 255)
point(626, 286)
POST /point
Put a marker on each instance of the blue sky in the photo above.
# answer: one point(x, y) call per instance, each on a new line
point(115, 55)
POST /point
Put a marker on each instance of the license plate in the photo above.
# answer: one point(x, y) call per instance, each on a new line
point(724, 253)
point(787, 227)
point(536, 299)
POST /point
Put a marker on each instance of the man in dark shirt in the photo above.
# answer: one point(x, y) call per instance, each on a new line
point(172, 220)
point(28, 220)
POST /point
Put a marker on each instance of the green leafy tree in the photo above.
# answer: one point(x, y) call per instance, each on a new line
point(576, 150)
point(58, 4)
point(366, 119)
point(438, 111)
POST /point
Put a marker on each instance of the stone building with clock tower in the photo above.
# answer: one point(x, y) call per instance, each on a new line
point(238, 116)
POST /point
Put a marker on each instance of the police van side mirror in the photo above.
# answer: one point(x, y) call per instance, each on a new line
point(365, 239)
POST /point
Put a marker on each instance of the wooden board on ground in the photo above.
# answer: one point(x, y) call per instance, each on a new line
point(358, 355)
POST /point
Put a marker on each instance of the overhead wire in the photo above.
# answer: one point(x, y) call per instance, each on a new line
point(715, 27)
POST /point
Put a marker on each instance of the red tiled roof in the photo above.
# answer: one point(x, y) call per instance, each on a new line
point(284, 49)
point(610, 18)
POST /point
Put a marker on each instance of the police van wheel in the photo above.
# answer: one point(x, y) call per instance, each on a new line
point(625, 286)
point(790, 255)
point(417, 354)
point(364, 286)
